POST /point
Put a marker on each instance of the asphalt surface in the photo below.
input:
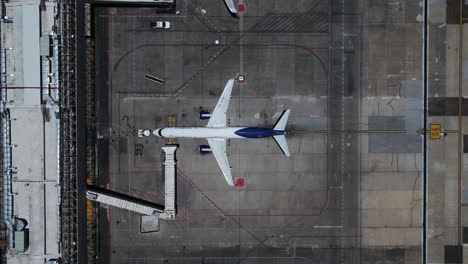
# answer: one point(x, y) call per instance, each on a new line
point(304, 56)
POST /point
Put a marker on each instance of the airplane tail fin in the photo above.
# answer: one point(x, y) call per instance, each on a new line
point(281, 123)
point(280, 139)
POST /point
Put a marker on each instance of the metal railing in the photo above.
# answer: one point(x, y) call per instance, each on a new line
point(68, 117)
point(7, 212)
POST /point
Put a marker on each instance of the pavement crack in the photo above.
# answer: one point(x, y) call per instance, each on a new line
point(391, 106)
point(415, 181)
point(219, 209)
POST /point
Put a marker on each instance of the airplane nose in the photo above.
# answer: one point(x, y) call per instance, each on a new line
point(157, 132)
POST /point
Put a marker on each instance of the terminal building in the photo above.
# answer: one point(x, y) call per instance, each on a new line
point(30, 132)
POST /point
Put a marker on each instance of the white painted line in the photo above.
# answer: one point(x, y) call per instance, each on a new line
point(154, 78)
point(328, 226)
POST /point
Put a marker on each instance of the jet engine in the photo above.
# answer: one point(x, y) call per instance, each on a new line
point(205, 149)
point(205, 115)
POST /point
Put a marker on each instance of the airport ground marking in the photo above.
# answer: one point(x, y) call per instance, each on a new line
point(327, 131)
point(328, 226)
point(460, 135)
point(154, 78)
point(233, 218)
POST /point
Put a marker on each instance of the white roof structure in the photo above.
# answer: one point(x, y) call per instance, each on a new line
point(33, 132)
point(123, 203)
point(167, 212)
point(169, 183)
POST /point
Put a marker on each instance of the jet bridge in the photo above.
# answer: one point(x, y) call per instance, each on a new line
point(123, 201)
point(169, 183)
point(167, 211)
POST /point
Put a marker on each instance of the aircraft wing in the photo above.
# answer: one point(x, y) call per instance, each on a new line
point(218, 117)
point(218, 147)
point(231, 7)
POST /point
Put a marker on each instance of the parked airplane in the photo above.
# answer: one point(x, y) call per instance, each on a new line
point(216, 132)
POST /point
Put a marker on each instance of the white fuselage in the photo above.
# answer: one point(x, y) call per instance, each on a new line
point(198, 132)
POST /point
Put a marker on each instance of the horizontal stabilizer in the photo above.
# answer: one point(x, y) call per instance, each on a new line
point(281, 141)
point(281, 123)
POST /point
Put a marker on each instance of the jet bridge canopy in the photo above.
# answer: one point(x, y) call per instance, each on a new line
point(169, 183)
point(123, 201)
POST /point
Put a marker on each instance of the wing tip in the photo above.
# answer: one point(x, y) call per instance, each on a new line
point(228, 176)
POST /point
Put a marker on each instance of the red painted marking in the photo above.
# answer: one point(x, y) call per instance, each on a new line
point(241, 8)
point(239, 182)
